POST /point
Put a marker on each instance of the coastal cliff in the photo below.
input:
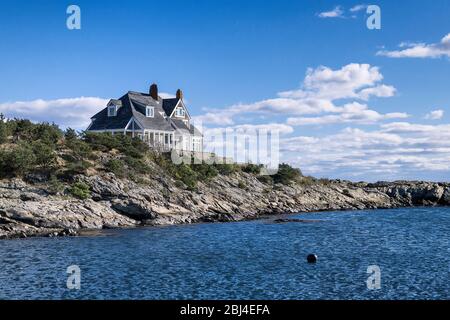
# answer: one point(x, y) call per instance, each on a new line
point(56, 183)
point(28, 209)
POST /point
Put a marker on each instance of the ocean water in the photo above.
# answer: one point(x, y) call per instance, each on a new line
point(246, 260)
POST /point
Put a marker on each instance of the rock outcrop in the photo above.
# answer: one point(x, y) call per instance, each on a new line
point(29, 210)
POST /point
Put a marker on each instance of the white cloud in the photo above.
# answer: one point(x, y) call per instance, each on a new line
point(395, 151)
point(280, 128)
point(165, 95)
point(435, 115)
point(321, 89)
point(420, 50)
point(358, 81)
point(337, 12)
point(381, 91)
point(353, 113)
point(71, 112)
point(358, 8)
point(221, 118)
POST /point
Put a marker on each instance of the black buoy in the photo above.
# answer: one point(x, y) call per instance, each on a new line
point(312, 258)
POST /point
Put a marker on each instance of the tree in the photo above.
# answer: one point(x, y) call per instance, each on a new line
point(44, 154)
point(17, 161)
point(70, 134)
point(286, 174)
point(3, 130)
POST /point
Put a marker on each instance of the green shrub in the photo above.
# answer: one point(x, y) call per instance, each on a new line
point(79, 149)
point(133, 147)
point(205, 172)
point(286, 174)
point(226, 169)
point(101, 141)
point(70, 134)
point(265, 179)
point(3, 130)
point(17, 162)
point(80, 190)
point(185, 174)
point(137, 165)
point(307, 181)
point(47, 133)
point(55, 186)
point(23, 129)
point(76, 167)
point(179, 184)
point(252, 169)
point(242, 185)
point(324, 181)
point(117, 167)
point(44, 154)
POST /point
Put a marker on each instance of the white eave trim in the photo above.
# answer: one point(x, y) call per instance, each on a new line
point(184, 107)
point(134, 119)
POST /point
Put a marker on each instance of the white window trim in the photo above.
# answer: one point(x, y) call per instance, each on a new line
point(110, 108)
point(152, 111)
point(180, 112)
point(182, 105)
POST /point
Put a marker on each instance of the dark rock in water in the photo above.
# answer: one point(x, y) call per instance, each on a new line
point(134, 209)
point(311, 258)
point(296, 221)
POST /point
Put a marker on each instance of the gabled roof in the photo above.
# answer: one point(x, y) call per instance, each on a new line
point(101, 121)
point(139, 102)
point(133, 105)
point(181, 126)
point(169, 105)
point(115, 102)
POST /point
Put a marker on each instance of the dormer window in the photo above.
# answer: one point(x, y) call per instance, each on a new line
point(112, 111)
point(149, 112)
point(179, 112)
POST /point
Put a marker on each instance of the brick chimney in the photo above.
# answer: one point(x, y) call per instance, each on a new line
point(179, 94)
point(154, 91)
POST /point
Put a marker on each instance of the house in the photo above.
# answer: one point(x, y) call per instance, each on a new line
point(165, 124)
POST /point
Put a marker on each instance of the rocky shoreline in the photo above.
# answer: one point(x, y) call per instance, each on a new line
point(28, 209)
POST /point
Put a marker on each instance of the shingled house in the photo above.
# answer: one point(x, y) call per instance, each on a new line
point(165, 124)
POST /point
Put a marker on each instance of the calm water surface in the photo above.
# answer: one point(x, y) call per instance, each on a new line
point(248, 260)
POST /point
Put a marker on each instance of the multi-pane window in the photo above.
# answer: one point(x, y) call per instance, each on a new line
point(179, 112)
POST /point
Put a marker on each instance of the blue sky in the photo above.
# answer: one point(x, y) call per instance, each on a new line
point(233, 59)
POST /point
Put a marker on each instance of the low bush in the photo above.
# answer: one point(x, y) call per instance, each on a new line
point(80, 190)
point(185, 174)
point(133, 147)
point(70, 134)
point(307, 181)
point(265, 179)
point(252, 169)
point(79, 149)
point(205, 172)
point(137, 165)
point(117, 167)
point(17, 161)
point(76, 167)
point(55, 186)
point(3, 130)
point(242, 185)
point(44, 154)
point(286, 174)
point(226, 169)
